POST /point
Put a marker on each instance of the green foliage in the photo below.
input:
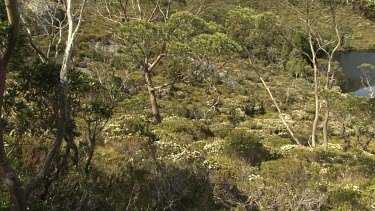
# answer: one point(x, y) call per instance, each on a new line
point(183, 26)
point(366, 7)
point(345, 199)
point(33, 98)
point(236, 116)
point(299, 67)
point(217, 44)
point(367, 68)
point(240, 24)
point(368, 195)
point(255, 33)
point(292, 184)
point(188, 130)
point(140, 38)
point(201, 157)
point(5, 198)
point(301, 42)
point(246, 146)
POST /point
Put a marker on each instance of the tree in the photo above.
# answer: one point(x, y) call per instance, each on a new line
point(63, 117)
point(143, 39)
point(7, 174)
point(256, 33)
point(367, 69)
point(96, 110)
point(324, 36)
point(183, 38)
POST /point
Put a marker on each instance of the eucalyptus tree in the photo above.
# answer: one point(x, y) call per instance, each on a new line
point(141, 40)
point(363, 123)
point(366, 79)
point(184, 39)
point(324, 29)
point(74, 23)
point(256, 33)
point(61, 72)
point(46, 19)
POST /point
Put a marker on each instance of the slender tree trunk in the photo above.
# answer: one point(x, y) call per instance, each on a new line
point(317, 110)
point(316, 74)
point(7, 174)
point(152, 95)
point(280, 114)
point(367, 143)
point(325, 125)
point(91, 154)
point(313, 59)
point(328, 86)
point(330, 74)
point(63, 110)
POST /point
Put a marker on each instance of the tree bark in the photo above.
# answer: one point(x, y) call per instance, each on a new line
point(317, 110)
point(330, 74)
point(325, 126)
point(316, 74)
point(148, 68)
point(152, 95)
point(63, 110)
point(7, 174)
point(91, 154)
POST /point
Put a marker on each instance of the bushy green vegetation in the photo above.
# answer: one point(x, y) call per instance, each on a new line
point(167, 110)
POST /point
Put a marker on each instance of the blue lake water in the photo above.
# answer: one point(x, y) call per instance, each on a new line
point(362, 92)
point(349, 61)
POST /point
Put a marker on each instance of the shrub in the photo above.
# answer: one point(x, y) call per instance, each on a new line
point(345, 199)
point(246, 146)
point(291, 184)
point(188, 130)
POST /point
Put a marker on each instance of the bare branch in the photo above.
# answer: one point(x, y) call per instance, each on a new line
point(43, 56)
point(157, 60)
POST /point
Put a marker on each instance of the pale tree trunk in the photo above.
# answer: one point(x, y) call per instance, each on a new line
point(63, 115)
point(325, 125)
point(250, 63)
point(328, 86)
point(316, 74)
point(314, 38)
point(314, 138)
point(148, 68)
point(7, 174)
point(152, 95)
point(330, 74)
point(280, 113)
point(316, 93)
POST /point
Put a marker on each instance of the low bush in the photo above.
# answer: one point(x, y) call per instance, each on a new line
point(246, 146)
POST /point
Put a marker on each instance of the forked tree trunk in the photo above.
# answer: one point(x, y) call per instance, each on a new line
point(7, 174)
point(330, 75)
point(152, 95)
point(313, 59)
point(63, 110)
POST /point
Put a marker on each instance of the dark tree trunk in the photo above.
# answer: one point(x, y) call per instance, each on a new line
point(91, 154)
point(7, 174)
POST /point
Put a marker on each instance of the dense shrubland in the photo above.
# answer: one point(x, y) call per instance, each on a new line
point(168, 108)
